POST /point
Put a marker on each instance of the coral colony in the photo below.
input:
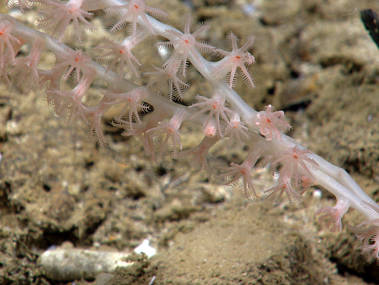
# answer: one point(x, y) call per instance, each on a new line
point(156, 117)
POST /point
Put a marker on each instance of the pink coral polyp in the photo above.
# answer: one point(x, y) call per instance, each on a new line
point(271, 124)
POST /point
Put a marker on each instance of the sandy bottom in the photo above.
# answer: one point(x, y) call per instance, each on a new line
point(58, 187)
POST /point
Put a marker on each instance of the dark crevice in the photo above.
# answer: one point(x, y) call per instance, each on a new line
point(52, 236)
point(297, 106)
point(161, 171)
point(369, 274)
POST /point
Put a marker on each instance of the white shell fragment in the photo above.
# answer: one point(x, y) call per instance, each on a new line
point(145, 248)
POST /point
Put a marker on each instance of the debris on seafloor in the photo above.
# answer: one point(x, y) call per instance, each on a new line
point(74, 264)
point(66, 264)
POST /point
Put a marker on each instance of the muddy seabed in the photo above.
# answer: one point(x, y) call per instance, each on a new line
point(59, 188)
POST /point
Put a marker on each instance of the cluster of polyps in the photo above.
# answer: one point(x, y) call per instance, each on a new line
point(222, 115)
